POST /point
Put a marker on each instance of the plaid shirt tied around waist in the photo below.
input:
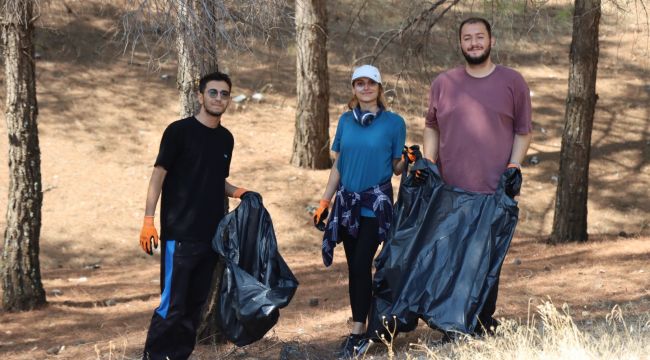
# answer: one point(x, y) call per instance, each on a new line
point(347, 211)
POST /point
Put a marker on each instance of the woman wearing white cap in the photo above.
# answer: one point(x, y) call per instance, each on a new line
point(367, 150)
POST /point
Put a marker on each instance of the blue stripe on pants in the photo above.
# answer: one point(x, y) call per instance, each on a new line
point(169, 268)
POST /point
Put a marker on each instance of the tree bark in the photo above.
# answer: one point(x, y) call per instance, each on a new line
point(193, 63)
point(311, 138)
point(570, 219)
point(20, 268)
point(188, 72)
point(209, 332)
point(195, 58)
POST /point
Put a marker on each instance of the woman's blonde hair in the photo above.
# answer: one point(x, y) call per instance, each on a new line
point(381, 100)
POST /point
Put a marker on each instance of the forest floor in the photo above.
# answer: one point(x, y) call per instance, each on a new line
point(101, 115)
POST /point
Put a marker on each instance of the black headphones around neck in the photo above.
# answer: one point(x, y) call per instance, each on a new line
point(365, 118)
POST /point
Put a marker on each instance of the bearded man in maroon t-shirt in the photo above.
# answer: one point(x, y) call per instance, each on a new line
point(478, 123)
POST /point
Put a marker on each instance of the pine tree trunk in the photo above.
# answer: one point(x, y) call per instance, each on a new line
point(197, 55)
point(311, 139)
point(209, 332)
point(188, 73)
point(20, 268)
point(194, 61)
point(570, 220)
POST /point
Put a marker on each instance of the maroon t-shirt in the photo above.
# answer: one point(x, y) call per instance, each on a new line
point(477, 119)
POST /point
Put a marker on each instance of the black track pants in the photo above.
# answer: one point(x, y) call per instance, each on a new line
point(360, 253)
point(186, 275)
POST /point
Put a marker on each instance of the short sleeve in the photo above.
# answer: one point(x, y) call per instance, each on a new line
point(523, 123)
point(168, 150)
point(399, 138)
point(431, 120)
point(336, 144)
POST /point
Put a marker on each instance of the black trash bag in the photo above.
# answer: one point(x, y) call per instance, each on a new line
point(443, 254)
point(256, 281)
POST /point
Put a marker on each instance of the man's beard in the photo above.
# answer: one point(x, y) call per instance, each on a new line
point(478, 60)
point(214, 113)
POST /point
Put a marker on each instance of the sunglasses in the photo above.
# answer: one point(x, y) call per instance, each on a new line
point(214, 93)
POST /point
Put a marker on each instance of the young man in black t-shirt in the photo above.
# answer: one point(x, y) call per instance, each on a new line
point(190, 171)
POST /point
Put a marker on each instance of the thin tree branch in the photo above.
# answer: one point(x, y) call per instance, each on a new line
point(409, 24)
point(354, 19)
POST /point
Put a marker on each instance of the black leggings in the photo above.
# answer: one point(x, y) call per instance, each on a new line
point(360, 252)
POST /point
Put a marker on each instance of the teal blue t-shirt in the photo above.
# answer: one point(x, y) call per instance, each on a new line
point(366, 153)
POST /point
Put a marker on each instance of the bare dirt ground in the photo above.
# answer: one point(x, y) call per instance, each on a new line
point(101, 118)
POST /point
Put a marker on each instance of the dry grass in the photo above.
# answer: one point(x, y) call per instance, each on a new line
point(550, 333)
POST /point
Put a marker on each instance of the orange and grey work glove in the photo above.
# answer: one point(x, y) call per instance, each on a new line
point(411, 153)
point(239, 192)
point(148, 234)
point(320, 215)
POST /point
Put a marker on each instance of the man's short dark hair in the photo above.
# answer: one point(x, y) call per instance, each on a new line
point(475, 20)
point(215, 76)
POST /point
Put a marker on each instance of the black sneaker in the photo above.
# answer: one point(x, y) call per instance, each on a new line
point(447, 337)
point(362, 347)
point(346, 350)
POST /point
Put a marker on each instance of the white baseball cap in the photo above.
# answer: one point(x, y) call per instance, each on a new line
point(367, 71)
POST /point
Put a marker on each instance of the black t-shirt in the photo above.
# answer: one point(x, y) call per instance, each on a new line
point(197, 160)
